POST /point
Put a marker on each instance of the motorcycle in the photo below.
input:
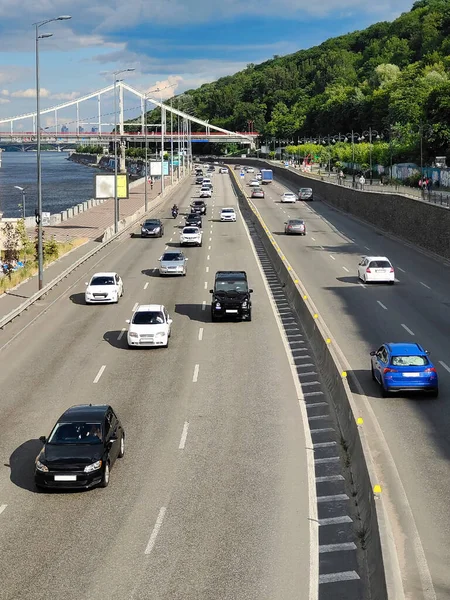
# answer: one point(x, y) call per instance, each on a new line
point(174, 213)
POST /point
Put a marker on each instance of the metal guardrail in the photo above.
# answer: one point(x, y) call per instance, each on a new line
point(54, 282)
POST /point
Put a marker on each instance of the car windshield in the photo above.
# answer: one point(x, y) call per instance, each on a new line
point(76, 433)
point(172, 256)
point(190, 230)
point(288, 194)
point(228, 210)
point(103, 280)
point(148, 317)
point(151, 224)
point(296, 222)
point(305, 190)
point(231, 285)
point(198, 203)
point(409, 361)
point(379, 264)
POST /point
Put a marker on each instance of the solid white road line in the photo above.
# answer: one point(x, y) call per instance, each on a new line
point(99, 374)
point(156, 528)
point(407, 329)
point(345, 269)
point(446, 367)
point(425, 285)
point(146, 286)
point(183, 436)
point(195, 375)
point(204, 305)
point(200, 334)
point(382, 305)
point(120, 336)
point(135, 306)
point(2, 508)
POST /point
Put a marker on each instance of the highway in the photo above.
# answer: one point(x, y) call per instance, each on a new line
point(211, 498)
point(361, 318)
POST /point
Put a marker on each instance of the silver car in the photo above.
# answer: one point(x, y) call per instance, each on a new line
point(297, 226)
point(173, 263)
point(305, 194)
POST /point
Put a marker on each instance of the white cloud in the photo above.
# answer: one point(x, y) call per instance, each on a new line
point(5, 92)
point(65, 96)
point(4, 100)
point(30, 93)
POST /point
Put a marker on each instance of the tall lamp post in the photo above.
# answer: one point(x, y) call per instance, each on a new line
point(116, 200)
point(370, 134)
point(352, 136)
point(23, 199)
point(40, 251)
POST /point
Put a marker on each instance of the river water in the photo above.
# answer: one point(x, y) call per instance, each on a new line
point(64, 183)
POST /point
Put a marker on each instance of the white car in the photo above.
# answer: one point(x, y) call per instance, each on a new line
point(289, 197)
point(223, 170)
point(205, 192)
point(191, 235)
point(254, 183)
point(228, 214)
point(258, 177)
point(250, 170)
point(376, 268)
point(103, 288)
point(150, 325)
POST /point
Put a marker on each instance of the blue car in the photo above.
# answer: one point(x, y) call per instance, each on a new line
point(399, 367)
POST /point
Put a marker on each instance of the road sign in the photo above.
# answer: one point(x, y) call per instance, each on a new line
point(45, 219)
point(242, 175)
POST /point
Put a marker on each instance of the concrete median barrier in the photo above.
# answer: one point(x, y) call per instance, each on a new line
point(372, 530)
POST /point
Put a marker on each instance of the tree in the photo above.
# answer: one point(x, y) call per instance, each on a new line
point(11, 252)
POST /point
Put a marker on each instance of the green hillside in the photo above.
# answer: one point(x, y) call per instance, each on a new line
point(389, 75)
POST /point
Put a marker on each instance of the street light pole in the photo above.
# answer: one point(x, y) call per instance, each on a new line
point(171, 143)
point(146, 154)
point(163, 117)
point(23, 199)
point(40, 249)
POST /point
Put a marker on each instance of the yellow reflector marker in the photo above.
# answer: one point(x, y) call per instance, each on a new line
point(316, 315)
point(289, 268)
point(344, 373)
point(305, 297)
point(328, 341)
point(360, 421)
point(377, 489)
point(296, 281)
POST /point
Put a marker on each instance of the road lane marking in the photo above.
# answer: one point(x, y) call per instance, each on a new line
point(207, 258)
point(331, 256)
point(367, 247)
point(156, 528)
point(120, 336)
point(195, 375)
point(425, 285)
point(345, 269)
point(170, 239)
point(146, 286)
point(313, 239)
point(99, 374)
point(210, 239)
point(209, 247)
point(446, 367)
point(382, 305)
point(334, 498)
point(135, 306)
point(400, 269)
point(337, 547)
point(183, 436)
point(203, 304)
point(206, 285)
point(335, 520)
point(325, 478)
point(200, 334)
point(2, 508)
point(166, 248)
point(362, 285)
point(342, 576)
point(407, 329)
point(207, 269)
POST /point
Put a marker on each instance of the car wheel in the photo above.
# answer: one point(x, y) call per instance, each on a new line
point(213, 316)
point(185, 272)
point(373, 374)
point(166, 345)
point(200, 245)
point(249, 315)
point(391, 282)
point(123, 291)
point(384, 391)
point(117, 298)
point(365, 279)
point(122, 447)
point(105, 476)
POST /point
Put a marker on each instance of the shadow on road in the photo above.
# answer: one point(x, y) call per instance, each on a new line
point(21, 464)
point(112, 337)
point(150, 272)
point(78, 299)
point(194, 312)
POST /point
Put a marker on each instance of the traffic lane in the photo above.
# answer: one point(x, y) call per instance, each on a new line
point(411, 263)
point(125, 378)
point(79, 275)
point(238, 516)
point(360, 324)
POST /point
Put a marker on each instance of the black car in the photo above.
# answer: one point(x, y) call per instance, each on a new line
point(199, 179)
point(81, 448)
point(231, 296)
point(194, 219)
point(152, 228)
point(198, 207)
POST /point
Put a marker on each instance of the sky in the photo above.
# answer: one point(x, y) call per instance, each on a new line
point(172, 45)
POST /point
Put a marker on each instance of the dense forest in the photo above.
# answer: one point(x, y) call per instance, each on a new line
point(392, 77)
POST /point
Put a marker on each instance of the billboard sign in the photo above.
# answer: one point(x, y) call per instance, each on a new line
point(155, 168)
point(104, 186)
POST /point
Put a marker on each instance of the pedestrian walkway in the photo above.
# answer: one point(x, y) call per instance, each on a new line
point(92, 223)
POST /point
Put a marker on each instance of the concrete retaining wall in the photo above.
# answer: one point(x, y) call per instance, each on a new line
point(340, 394)
point(421, 223)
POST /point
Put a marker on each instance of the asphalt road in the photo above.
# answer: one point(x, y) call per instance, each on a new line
point(361, 318)
point(229, 505)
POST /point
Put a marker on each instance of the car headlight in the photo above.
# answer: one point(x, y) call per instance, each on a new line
point(245, 304)
point(157, 229)
point(218, 305)
point(133, 334)
point(161, 334)
point(94, 467)
point(41, 467)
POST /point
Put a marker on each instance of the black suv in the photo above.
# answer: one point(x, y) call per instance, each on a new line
point(194, 220)
point(231, 296)
point(198, 207)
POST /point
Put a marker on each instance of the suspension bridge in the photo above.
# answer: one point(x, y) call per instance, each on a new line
point(67, 124)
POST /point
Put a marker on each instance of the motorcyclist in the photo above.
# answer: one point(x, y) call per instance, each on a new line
point(174, 210)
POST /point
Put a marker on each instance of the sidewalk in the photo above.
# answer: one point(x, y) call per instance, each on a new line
point(90, 226)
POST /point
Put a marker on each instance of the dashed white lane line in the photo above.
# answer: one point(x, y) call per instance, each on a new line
point(156, 528)
point(120, 336)
point(209, 247)
point(183, 436)
point(166, 248)
point(362, 285)
point(407, 329)
point(207, 269)
point(146, 286)
point(332, 257)
point(170, 239)
point(367, 247)
point(345, 269)
point(204, 305)
point(195, 375)
point(425, 285)
point(207, 258)
point(382, 305)
point(135, 306)
point(210, 239)
point(99, 374)
point(446, 367)
point(313, 239)
point(2, 508)
point(402, 270)
point(206, 285)
point(200, 334)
